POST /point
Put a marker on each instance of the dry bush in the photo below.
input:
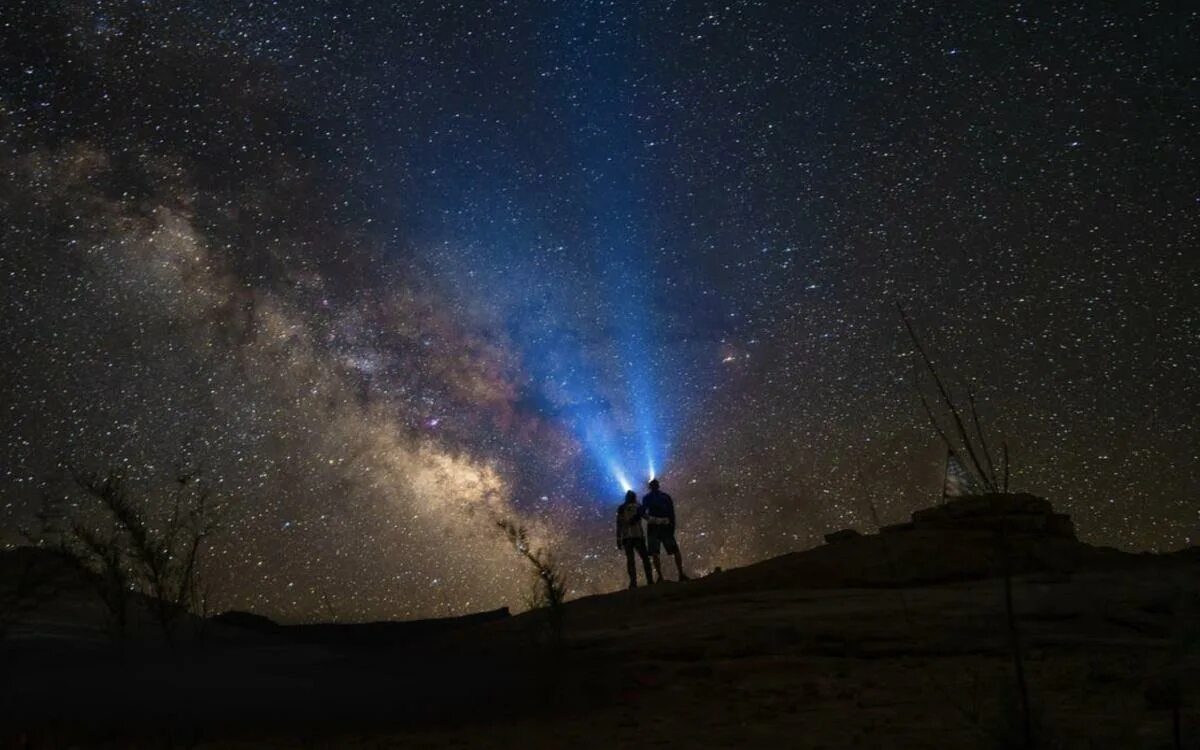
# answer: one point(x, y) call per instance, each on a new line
point(150, 544)
point(550, 585)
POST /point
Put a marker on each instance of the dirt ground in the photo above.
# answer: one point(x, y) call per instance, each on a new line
point(739, 659)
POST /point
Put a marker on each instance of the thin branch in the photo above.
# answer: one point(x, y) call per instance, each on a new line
point(987, 454)
point(929, 412)
point(958, 423)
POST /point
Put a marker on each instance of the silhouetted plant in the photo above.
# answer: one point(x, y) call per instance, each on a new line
point(974, 446)
point(124, 547)
point(985, 475)
point(550, 586)
point(95, 552)
point(162, 560)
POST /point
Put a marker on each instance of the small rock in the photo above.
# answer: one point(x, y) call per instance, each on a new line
point(844, 535)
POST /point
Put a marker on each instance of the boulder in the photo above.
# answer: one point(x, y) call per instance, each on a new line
point(844, 535)
point(1015, 514)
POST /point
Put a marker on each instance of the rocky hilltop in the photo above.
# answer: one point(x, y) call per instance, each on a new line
point(1015, 514)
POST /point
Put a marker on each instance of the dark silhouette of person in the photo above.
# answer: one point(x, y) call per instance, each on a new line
point(659, 511)
point(631, 538)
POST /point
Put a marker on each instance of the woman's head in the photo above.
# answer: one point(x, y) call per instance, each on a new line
point(631, 497)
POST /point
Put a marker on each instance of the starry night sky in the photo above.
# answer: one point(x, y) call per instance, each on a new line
point(389, 274)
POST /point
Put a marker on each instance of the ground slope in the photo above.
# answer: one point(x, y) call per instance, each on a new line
point(899, 640)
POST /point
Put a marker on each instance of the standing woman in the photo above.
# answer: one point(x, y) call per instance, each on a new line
point(631, 537)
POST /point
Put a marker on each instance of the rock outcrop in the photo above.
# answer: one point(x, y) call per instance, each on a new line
point(844, 535)
point(1011, 514)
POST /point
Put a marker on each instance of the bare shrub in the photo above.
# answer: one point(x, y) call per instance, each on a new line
point(986, 478)
point(125, 544)
point(94, 550)
point(550, 585)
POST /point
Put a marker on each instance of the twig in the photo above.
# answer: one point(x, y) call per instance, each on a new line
point(987, 454)
point(929, 412)
point(958, 423)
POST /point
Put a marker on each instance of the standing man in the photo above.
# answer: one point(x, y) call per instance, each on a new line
point(659, 510)
point(631, 538)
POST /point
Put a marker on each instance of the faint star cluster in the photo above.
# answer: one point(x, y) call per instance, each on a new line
point(390, 273)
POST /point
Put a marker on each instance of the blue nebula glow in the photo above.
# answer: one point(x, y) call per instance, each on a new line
point(610, 148)
point(601, 441)
point(578, 269)
point(646, 444)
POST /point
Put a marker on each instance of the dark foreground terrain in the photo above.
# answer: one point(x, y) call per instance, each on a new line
point(893, 640)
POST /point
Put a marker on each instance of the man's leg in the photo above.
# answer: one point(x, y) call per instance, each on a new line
point(679, 565)
point(673, 547)
point(654, 542)
point(629, 564)
point(640, 545)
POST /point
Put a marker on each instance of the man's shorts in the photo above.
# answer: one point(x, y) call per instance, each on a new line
point(664, 535)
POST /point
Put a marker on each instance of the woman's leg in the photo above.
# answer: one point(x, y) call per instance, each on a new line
point(629, 564)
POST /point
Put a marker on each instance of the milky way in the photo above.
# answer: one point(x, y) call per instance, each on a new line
point(390, 276)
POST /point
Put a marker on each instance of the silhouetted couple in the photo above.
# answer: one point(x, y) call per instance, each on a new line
point(658, 510)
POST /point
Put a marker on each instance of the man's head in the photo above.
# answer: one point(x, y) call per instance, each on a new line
point(654, 484)
point(631, 497)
